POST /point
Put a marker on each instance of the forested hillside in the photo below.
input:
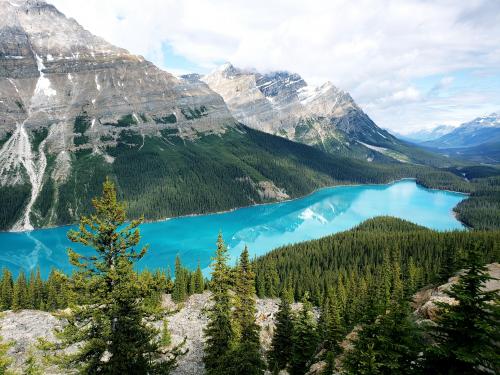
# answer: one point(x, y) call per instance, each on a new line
point(482, 209)
point(356, 262)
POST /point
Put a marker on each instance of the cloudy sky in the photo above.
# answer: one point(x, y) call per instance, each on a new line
point(410, 64)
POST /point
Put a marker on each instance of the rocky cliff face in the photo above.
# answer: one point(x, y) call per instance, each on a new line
point(64, 90)
point(284, 104)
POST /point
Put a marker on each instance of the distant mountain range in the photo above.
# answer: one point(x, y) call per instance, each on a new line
point(473, 133)
point(425, 135)
point(477, 140)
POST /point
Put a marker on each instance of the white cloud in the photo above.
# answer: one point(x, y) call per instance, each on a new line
point(375, 49)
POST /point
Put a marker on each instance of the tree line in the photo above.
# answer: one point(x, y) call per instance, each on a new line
point(33, 292)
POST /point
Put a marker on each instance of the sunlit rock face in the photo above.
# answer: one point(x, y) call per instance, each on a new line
point(52, 69)
point(64, 90)
point(282, 103)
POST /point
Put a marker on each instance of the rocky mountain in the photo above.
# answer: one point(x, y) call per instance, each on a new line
point(74, 109)
point(64, 90)
point(283, 104)
point(476, 141)
point(484, 129)
point(425, 135)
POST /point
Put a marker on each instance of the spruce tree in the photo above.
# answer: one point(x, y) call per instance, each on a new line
point(389, 345)
point(52, 292)
point(180, 282)
point(199, 283)
point(246, 357)
point(6, 290)
point(280, 354)
point(467, 336)
point(169, 284)
point(219, 331)
point(31, 291)
point(166, 336)
point(331, 329)
point(38, 291)
point(111, 326)
point(304, 339)
point(20, 293)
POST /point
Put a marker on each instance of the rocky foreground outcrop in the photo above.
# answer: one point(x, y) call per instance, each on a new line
point(425, 300)
point(187, 321)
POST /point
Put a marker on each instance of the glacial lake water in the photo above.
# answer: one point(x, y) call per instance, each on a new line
point(262, 227)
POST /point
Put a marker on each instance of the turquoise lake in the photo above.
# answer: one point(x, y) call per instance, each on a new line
point(262, 227)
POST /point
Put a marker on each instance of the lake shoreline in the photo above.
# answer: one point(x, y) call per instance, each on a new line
point(147, 221)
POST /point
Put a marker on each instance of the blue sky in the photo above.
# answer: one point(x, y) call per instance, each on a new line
point(177, 63)
point(410, 64)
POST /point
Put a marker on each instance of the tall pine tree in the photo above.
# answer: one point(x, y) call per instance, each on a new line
point(180, 282)
point(111, 327)
point(280, 354)
point(219, 331)
point(199, 283)
point(467, 336)
point(20, 293)
point(304, 339)
point(331, 329)
point(246, 357)
point(6, 289)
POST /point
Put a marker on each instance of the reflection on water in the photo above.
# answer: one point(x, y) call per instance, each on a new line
point(262, 228)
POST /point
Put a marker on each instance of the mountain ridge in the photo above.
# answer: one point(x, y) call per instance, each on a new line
point(283, 104)
point(472, 133)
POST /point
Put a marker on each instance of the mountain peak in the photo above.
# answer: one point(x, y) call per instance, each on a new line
point(281, 102)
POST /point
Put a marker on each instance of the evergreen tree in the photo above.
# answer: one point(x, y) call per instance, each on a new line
point(38, 291)
point(170, 284)
point(389, 345)
point(467, 336)
point(219, 332)
point(180, 282)
point(20, 293)
point(31, 291)
point(166, 336)
point(280, 354)
point(413, 280)
point(112, 324)
point(304, 339)
point(192, 283)
point(331, 329)
point(246, 357)
point(52, 292)
point(199, 283)
point(6, 291)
